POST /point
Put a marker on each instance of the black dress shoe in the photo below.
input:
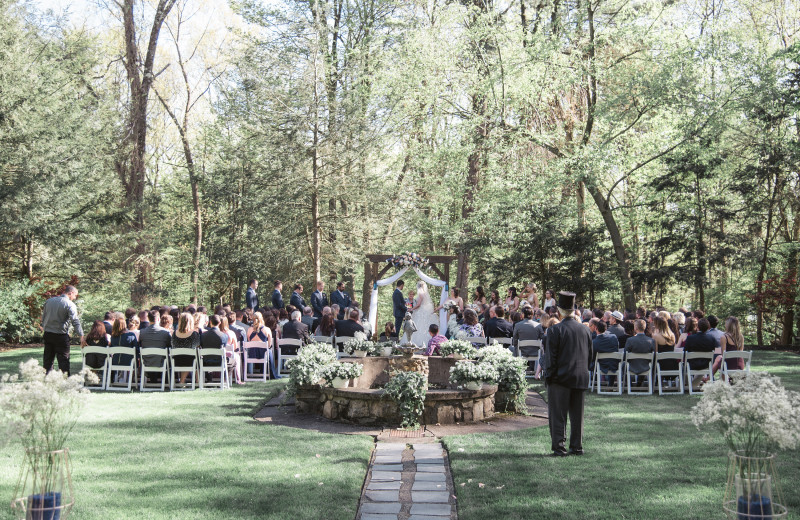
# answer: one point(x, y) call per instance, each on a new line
point(558, 454)
point(575, 452)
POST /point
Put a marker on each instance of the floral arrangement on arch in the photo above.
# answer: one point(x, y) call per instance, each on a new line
point(409, 260)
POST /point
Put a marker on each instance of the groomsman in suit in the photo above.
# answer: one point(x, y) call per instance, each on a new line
point(319, 300)
point(297, 297)
point(399, 305)
point(251, 297)
point(340, 298)
point(277, 298)
point(569, 352)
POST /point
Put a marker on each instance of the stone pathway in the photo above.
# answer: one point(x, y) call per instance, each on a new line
point(408, 484)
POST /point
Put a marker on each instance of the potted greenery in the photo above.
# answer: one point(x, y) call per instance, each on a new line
point(40, 410)
point(305, 369)
point(511, 383)
point(408, 389)
point(756, 416)
point(473, 375)
point(459, 349)
point(339, 375)
point(357, 347)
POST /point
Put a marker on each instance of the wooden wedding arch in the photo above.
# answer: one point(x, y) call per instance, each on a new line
point(377, 266)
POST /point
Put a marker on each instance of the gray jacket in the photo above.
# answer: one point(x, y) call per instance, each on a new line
point(640, 344)
point(57, 315)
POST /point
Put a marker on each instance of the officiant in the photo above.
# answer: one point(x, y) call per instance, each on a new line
point(399, 307)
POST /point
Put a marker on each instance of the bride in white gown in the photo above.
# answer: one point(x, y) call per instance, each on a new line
point(423, 315)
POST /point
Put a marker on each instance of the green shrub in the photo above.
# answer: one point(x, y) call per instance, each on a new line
point(20, 311)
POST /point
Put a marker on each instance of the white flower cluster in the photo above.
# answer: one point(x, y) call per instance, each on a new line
point(342, 371)
point(409, 259)
point(41, 409)
point(306, 367)
point(494, 352)
point(754, 413)
point(357, 344)
point(469, 372)
point(458, 346)
point(408, 389)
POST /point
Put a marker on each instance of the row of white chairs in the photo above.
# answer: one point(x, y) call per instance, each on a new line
point(682, 374)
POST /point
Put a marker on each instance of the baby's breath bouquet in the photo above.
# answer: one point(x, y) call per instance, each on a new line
point(493, 352)
point(341, 371)
point(755, 413)
point(305, 369)
point(462, 348)
point(465, 372)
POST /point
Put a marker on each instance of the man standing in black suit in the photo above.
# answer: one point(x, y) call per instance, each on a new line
point(569, 352)
point(319, 300)
point(251, 297)
point(399, 305)
point(297, 297)
point(340, 298)
point(277, 297)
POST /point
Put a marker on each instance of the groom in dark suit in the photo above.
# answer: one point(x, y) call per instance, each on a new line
point(399, 306)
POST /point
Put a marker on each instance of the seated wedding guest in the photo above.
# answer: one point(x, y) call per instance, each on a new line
point(698, 315)
point(434, 344)
point(200, 322)
point(122, 336)
point(546, 322)
point(108, 321)
point(264, 329)
point(700, 342)
point(680, 319)
point(471, 325)
point(154, 336)
point(231, 350)
point(175, 313)
point(388, 333)
point(166, 323)
point(629, 332)
point(185, 337)
point(526, 329)
point(213, 339)
point(586, 316)
point(691, 328)
point(295, 329)
point(133, 327)
point(348, 328)
point(233, 326)
point(130, 312)
point(336, 311)
point(308, 318)
point(615, 324)
point(713, 331)
point(143, 320)
point(97, 337)
point(512, 300)
point(732, 339)
point(663, 336)
point(498, 327)
point(592, 324)
point(327, 327)
point(605, 342)
point(639, 344)
point(283, 318)
point(241, 320)
point(515, 318)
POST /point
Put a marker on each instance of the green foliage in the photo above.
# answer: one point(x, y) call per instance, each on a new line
point(473, 372)
point(408, 389)
point(457, 346)
point(341, 370)
point(306, 369)
point(20, 304)
point(510, 374)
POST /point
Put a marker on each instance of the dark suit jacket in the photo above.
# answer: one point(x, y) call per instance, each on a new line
point(640, 344)
point(342, 299)
point(297, 301)
point(569, 352)
point(296, 330)
point(398, 304)
point(308, 321)
point(319, 300)
point(251, 298)
point(109, 327)
point(699, 342)
point(605, 342)
point(277, 299)
point(498, 328)
point(213, 338)
point(616, 330)
point(348, 328)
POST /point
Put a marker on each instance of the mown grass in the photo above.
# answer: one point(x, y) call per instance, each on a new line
point(644, 460)
point(198, 455)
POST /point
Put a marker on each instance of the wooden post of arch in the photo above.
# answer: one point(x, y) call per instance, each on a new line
point(378, 267)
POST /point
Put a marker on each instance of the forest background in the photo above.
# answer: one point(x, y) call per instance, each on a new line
point(638, 152)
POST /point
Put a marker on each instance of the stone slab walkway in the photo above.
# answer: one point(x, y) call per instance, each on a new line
point(408, 483)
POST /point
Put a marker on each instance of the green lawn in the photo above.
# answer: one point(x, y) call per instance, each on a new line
point(199, 455)
point(644, 460)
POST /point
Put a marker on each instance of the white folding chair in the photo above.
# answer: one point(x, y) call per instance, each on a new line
point(122, 367)
point(162, 369)
point(528, 344)
point(648, 373)
point(678, 373)
point(323, 339)
point(619, 357)
point(705, 371)
point(478, 341)
point(213, 360)
point(181, 366)
point(251, 359)
point(747, 355)
point(101, 351)
point(502, 341)
point(339, 342)
point(283, 343)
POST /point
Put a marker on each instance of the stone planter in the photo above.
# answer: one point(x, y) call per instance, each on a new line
point(473, 385)
point(457, 357)
point(359, 353)
point(338, 382)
